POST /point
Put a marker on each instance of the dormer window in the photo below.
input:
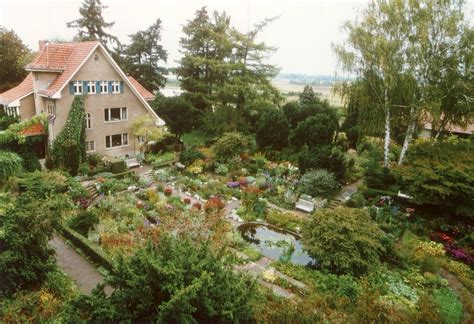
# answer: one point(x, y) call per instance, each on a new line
point(77, 87)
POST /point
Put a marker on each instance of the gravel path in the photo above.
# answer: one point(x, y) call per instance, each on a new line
point(76, 266)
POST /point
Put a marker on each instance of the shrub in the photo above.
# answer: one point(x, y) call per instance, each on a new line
point(326, 157)
point(189, 155)
point(30, 162)
point(449, 306)
point(343, 240)
point(440, 174)
point(117, 166)
point(284, 220)
point(175, 280)
point(272, 130)
point(231, 145)
point(318, 183)
point(357, 200)
point(72, 156)
point(10, 164)
point(26, 257)
point(83, 222)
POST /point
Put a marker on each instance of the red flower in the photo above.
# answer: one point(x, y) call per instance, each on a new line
point(187, 200)
point(168, 191)
point(197, 205)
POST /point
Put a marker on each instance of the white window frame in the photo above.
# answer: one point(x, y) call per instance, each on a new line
point(78, 87)
point(88, 121)
point(51, 109)
point(13, 111)
point(90, 87)
point(123, 139)
point(104, 87)
point(141, 139)
point(108, 115)
point(115, 86)
point(90, 146)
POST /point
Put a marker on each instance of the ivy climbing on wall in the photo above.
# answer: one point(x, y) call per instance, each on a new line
point(73, 134)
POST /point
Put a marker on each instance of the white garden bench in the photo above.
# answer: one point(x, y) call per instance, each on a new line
point(132, 163)
point(305, 203)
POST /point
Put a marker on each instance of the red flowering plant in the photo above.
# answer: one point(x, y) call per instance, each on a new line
point(83, 203)
point(197, 205)
point(441, 237)
point(168, 192)
point(187, 200)
point(214, 203)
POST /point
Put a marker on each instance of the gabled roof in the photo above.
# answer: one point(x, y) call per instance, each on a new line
point(22, 90)
point(147, 95)
point(52, 57)
point(67, 58)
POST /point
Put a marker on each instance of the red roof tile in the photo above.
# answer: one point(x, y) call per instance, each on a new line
point(147, 95)
point(21, 90)
point(66, 57)
point(36, 129)
point(52, 57)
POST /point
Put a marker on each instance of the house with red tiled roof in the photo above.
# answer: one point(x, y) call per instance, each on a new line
point(61, 71)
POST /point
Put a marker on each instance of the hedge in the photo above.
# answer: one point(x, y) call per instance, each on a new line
point(93, 252)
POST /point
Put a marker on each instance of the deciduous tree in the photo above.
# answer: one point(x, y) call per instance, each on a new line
point(13, 58)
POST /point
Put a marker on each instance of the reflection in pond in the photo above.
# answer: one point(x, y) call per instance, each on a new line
point(274, 243)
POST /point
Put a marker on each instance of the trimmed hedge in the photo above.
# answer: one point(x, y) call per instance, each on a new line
point(117, 165)
point(93, 252)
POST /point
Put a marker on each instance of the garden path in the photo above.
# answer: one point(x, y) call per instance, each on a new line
point(459, 288)
point(76, 266)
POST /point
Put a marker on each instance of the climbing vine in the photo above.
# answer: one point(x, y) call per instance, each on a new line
point(74, 131)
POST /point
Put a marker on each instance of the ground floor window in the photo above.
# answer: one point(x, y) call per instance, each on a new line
point(116, 140)
point(90, 146)
point(13, 111)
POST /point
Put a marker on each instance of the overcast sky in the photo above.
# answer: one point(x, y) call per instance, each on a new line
point(303, 33)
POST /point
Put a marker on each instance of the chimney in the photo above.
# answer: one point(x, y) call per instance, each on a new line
point(42, 43)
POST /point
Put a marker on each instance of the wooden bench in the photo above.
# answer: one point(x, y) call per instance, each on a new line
point(305, 203)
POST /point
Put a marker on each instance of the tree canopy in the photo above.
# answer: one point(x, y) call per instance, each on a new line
point(92, 25)
point(222, 66)
point(13, 58)
point(440, 174)
point(178, 113)
point(143, 57)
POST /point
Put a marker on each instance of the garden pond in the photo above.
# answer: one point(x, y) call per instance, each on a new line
point(274, 243)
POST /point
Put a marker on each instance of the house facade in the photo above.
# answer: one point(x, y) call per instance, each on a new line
point(113, 100)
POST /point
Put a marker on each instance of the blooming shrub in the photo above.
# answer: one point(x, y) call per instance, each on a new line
point(432, 249)
point(187, 200)
point(197, 205)
point(269, 276)
point(214, 203)
point(168, 192)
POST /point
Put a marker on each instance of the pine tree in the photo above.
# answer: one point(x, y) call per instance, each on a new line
point(141, 59)
point(91, 25)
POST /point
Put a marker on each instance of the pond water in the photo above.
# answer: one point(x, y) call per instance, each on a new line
point(272, 242)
